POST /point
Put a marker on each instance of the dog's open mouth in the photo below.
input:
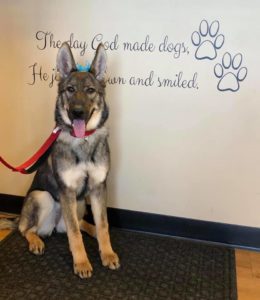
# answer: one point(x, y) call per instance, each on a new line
point(79, 127)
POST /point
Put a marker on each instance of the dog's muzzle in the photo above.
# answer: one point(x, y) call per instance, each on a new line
point(77, 113)
point(79, 118)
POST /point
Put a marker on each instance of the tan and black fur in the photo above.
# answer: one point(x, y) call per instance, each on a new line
point(76, 168)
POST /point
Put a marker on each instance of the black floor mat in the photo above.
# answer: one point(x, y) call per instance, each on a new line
point(152, 267)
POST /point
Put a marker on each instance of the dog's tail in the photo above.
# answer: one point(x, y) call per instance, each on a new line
point(9, 223)
point(12, 224)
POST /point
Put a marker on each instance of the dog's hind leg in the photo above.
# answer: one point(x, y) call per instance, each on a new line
point(36, 245)
point(37, 219)
point(88, 228)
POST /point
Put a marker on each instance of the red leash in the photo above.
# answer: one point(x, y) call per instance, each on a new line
point(33, 163)
point(29, 166)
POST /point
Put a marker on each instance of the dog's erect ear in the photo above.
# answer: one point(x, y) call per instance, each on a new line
point(65, 61)
point(99, 64)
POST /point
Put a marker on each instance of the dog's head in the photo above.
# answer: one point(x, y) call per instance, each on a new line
point(81, 95)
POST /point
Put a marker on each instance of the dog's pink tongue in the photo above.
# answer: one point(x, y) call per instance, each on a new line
point(79, 128)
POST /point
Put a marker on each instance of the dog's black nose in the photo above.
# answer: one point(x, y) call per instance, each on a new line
point(77, 112)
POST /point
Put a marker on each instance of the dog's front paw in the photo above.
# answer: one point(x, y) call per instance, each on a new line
point(83, 270)
point(110, 260)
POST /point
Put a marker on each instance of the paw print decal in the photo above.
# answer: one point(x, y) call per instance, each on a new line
point(207, 40)
point(230, 72)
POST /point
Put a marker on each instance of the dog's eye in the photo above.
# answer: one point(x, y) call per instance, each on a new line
point(71, 89)
point(90, 91)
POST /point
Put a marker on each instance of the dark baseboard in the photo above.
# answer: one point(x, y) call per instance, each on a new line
point(234, 235)
point(11, 204)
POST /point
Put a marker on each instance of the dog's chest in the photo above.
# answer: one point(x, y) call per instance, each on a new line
point(77, 176)
point(78, 171)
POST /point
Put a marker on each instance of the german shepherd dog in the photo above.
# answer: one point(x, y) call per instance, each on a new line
point(76, 168)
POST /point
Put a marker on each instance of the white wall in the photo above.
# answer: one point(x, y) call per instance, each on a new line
point(189, 152)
